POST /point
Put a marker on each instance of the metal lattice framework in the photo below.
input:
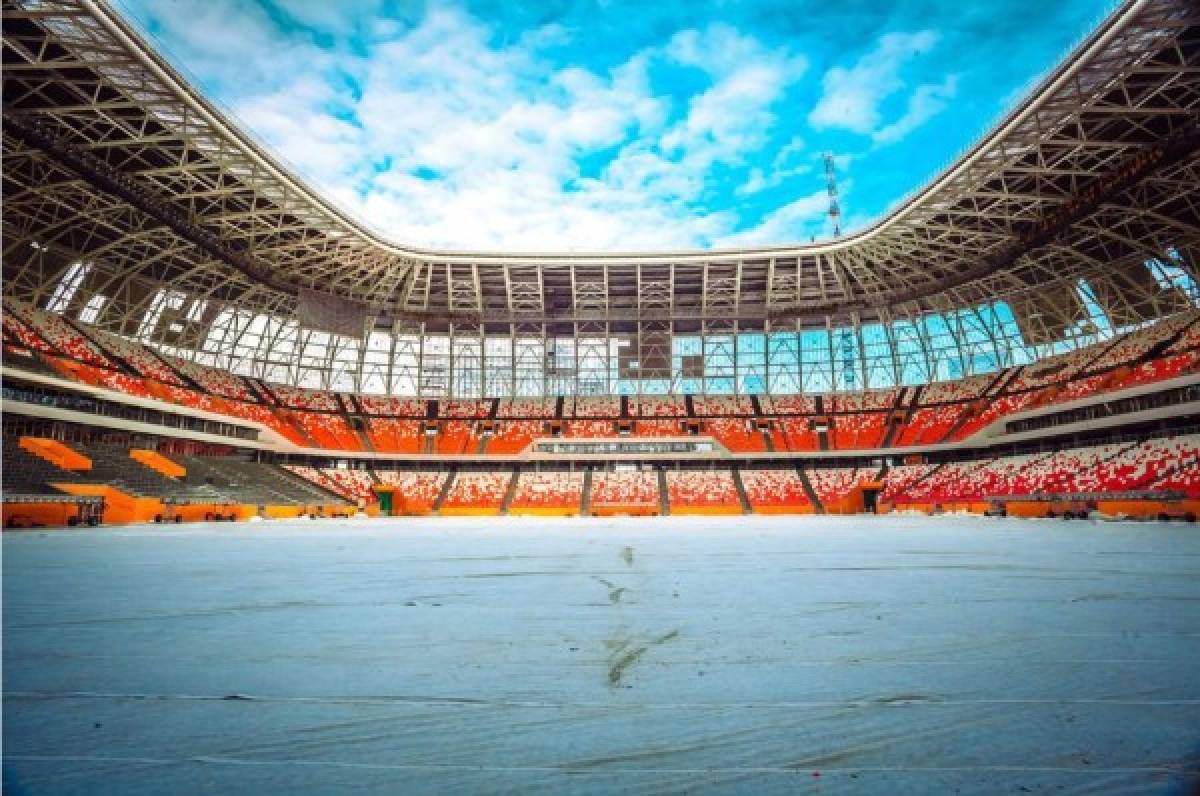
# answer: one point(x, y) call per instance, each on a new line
point(191, 230)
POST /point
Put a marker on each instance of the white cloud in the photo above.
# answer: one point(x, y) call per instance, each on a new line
point(549, 35)
point(732, 117)
point(784, 165)
point(721, 50)
point(441, 137)
point(852, 97)
point(327, 16)
point(783, 225)
point(204, 37)
point(323, 145)
point(925, 103)
point(507, 150)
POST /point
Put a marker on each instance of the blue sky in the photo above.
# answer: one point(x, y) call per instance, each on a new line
point(565, 125)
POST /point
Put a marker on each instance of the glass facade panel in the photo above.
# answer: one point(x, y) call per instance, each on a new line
point(466, 364)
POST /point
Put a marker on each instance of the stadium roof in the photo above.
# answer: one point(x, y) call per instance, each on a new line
point(111, 157)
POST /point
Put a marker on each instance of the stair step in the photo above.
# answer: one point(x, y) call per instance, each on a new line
point(511, 491)
point(585, 499)
point(444, 492)
point(743, 498)
point(818, 507)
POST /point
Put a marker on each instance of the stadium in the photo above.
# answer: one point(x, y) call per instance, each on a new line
point(291, 505)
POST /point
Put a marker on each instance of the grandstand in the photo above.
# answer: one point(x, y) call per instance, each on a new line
point(1021, 336)
point(341, 441)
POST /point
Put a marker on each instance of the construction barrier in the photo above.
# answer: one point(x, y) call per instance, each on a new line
point(709, 511)
point(543, 511)
point(630, 510)
point(34, 514)
point(795, 508)
point(469, 511)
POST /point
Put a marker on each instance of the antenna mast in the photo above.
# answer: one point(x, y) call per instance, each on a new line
point(835, 212)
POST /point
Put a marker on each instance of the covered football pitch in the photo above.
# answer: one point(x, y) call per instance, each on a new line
point(756, 654)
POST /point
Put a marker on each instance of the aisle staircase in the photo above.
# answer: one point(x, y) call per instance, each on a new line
point(447, 485)
point(510, 491)
point(900, 413)
point(585, 498)
point(743, 498)
point(818, 507)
